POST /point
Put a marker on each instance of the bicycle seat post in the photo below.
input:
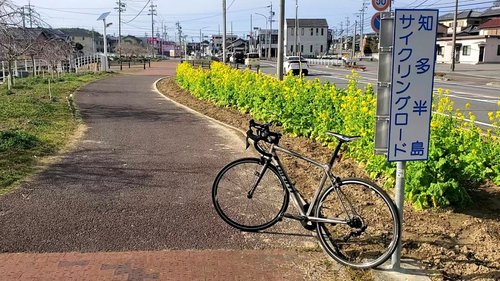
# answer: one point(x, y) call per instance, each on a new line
point(335, 153)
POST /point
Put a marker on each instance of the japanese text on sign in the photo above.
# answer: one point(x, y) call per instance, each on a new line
point(412, 84)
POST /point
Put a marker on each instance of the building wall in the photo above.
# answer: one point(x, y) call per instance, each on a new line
point(490, 31)
point(491, 50)
point(318, 41)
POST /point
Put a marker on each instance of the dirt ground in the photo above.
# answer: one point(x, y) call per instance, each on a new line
point(451, 244)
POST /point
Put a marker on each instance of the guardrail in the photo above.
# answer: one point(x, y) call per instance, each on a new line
point(331, 62)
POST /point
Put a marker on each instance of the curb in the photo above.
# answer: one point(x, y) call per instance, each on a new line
point(155, 88)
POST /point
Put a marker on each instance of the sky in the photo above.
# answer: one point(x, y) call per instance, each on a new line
point(206, 15)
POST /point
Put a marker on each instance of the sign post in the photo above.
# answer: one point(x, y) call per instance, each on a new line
point(405, 135)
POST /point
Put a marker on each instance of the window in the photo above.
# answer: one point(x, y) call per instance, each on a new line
point(322, 31)
point(321, 47)
point(302, 33)
point(312, 31)
point(291, 49)
point(311, 49)
point(317, 31)
point(498, 50)
point(466, 51)
point(302, 48)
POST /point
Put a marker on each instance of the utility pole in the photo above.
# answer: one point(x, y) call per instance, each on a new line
point(354, 41)
point(23, 14)
point(121, 9)
point(271, 14)
point(361, 42)
point(296, 28)
point(152, 13)
point(281, 40)
point(341, 38)
point(224, 10)
point(453, 52)
point(347, 34)
point(179, 31)
point(250, 44)
point(31, 14)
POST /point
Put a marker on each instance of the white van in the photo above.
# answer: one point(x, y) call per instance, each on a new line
point(252, 60)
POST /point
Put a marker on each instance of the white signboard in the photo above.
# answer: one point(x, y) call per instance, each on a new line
point(414, 54)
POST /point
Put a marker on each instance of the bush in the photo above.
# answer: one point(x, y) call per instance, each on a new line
point(311, 108)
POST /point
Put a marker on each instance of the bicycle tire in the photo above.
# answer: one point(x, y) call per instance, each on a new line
point(380, 217)
point(264, 209)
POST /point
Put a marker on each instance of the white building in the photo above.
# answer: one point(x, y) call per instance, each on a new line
point(312, 37)
point(267, 39)
point(216, 42)
point(482, 48)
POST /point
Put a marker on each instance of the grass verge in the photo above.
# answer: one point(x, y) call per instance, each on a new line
point(35, 123)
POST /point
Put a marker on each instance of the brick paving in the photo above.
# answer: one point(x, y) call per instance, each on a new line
point(155, 265)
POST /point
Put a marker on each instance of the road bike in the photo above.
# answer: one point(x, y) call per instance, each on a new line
point(356, 222)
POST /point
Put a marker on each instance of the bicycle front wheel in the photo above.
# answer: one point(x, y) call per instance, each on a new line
point(260, 210)
point(372, 229)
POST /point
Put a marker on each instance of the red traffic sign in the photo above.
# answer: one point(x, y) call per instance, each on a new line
point(376, 22)
point(381, 5)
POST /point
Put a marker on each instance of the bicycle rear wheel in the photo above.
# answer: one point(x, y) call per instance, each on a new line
point(230, 195)
point(373, 230)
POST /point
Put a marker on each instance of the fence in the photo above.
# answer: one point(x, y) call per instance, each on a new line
point(26, 67)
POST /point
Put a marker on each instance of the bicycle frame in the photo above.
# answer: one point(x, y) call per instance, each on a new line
point(297, 199)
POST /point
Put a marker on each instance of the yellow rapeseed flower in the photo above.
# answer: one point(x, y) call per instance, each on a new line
point(491, 116)
point(467, 105)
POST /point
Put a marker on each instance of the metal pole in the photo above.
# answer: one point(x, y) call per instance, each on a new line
point(361, 42)
point(270, 31)
point(224, 31)
point(400, 189)
point(281, 39)
point(353, 53)
point(341, 38)
point(251, 34)
point(105, 62)
point(453, 52)
point(296, 27)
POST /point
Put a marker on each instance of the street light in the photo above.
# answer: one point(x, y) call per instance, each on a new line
point(269, 46)
point(103, 18)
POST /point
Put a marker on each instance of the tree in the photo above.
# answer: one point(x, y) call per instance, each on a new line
point(15, 40)
point(54, 51)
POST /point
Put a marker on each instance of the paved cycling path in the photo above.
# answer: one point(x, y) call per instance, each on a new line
point(133, 199)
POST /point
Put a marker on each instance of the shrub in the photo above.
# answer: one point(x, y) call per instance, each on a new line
point(310, 108)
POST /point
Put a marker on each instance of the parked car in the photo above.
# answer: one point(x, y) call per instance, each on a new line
point(295, 64)
point(237, 57)
point(252, 60)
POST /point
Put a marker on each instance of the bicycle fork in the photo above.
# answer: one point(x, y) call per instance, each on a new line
point(259, 178)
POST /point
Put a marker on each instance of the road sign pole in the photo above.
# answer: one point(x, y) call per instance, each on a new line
point(400, 190)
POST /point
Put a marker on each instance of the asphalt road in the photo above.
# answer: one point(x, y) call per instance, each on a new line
point(474, 90)
point(140, 179)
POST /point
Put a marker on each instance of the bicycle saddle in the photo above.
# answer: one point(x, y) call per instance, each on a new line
point(343, 138)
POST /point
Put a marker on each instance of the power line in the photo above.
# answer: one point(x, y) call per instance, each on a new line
point(138, 14)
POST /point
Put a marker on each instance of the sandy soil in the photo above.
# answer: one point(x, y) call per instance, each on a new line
point(451, 244)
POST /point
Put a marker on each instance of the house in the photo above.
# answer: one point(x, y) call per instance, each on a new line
point(312, 37)
point(477, 40)
point(267, 42)
point(91, 42)
point(238, 45)
point(216, 42)
point(465, 19)
point(492, 12)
